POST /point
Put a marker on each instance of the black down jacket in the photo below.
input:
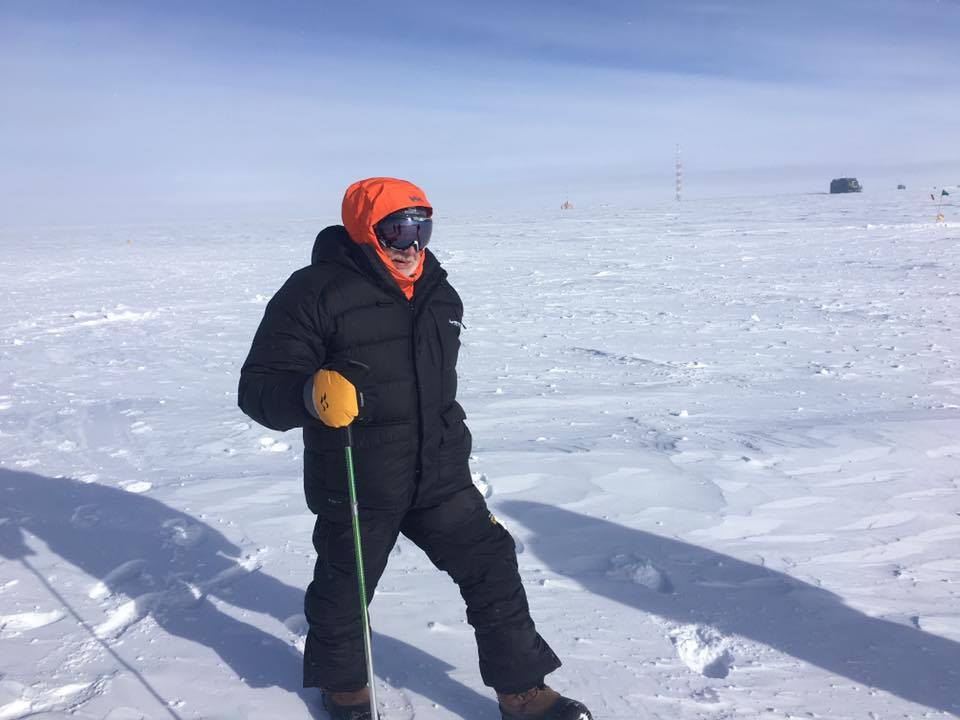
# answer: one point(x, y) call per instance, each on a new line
point(410, 442)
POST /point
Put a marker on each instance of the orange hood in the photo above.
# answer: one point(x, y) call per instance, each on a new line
point(367, 202)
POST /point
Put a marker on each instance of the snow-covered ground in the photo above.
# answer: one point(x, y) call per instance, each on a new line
point(726, 436)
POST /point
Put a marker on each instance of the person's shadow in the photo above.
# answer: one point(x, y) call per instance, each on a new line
point(169, 564)
point(688, 584)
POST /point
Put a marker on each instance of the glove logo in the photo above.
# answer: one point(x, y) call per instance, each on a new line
point(334, 398)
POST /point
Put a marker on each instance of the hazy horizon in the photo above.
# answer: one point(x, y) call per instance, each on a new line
point(146, 112)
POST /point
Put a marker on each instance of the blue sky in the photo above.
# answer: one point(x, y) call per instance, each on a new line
point(127, 111)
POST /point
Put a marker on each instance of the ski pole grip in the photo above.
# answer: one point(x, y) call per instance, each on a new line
point(347, 436)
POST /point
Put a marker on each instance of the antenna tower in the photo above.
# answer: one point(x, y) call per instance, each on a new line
point(679, 173)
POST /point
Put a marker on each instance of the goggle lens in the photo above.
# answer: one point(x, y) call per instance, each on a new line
point(401, 233)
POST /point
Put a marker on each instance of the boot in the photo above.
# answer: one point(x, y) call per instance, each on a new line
point(348, 705)
point(541, 703)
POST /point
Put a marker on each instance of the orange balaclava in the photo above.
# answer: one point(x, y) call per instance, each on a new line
point(367, 202)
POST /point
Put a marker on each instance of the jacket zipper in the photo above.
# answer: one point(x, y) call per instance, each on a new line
point(414, 339)
point(417, 306)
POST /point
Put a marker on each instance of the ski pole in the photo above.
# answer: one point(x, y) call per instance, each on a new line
point(364, 612)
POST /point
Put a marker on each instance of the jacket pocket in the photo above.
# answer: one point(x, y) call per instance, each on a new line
point(384, 458)
point(455, 440)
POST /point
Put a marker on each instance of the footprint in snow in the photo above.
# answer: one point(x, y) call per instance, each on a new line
point(183, 533)
point(85, 516)
point(640, 571)
point(706, 696)
point(270, 445)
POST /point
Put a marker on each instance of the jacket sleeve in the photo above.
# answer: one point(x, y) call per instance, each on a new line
point(287, 350)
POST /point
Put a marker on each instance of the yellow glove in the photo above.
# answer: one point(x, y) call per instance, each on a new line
point(334, 398)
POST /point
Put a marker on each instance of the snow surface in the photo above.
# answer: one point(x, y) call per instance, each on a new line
point(726, 436)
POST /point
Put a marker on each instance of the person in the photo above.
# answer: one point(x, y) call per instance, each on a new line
point(368, 336)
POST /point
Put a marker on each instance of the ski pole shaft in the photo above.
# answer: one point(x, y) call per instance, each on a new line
point(364, 612)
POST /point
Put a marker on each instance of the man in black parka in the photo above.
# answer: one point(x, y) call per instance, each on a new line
point(375, 314)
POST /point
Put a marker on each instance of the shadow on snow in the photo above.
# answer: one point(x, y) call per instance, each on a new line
point(98, 529)
point(704, 587)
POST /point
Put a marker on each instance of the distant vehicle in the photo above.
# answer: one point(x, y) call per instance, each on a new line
point(845, 185)
point(901, 187)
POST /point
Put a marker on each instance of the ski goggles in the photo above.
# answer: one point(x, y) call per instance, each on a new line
point(404, 229)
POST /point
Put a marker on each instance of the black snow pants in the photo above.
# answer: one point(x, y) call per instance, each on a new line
point(460, 537)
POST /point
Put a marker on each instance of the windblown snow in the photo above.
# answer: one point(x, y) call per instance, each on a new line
point(725, 435)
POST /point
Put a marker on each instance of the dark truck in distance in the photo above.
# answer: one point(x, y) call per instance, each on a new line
point(844, 185)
